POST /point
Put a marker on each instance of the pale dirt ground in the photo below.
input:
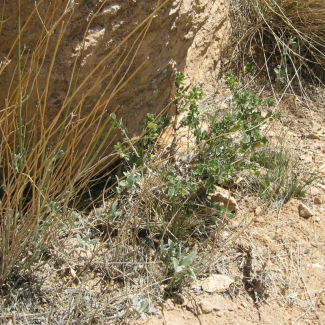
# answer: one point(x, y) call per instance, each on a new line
point(292, 248)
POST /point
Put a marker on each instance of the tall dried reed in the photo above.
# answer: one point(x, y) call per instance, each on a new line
point(44, 168)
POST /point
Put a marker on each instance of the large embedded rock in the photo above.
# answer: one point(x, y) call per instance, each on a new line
point(183, 35)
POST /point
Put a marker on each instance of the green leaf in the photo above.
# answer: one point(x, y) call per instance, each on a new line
point(79, 239)
point(188, 259)
point(249, 66)
point(175, 263)
point(191, 273)
point(114, 207)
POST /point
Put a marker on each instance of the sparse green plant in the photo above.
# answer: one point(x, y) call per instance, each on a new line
point(140, 307)
point(178, 260)
point(113, 212)
point(129, 179)
point(224, 149)
point(86, 242)
point(221, 152)
point(110, 213)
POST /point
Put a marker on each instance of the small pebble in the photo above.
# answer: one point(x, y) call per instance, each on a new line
point(318, 200)
point(305, 211)
point(313, 136)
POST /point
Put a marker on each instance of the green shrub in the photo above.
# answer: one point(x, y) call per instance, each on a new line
point(218, 154)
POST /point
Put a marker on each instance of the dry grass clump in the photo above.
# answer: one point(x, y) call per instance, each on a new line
point(280, 175)
point(285, 38)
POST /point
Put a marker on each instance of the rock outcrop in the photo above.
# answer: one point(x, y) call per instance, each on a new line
point(182, 35)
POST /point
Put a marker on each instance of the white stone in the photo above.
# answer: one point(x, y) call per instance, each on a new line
point(216, 283)
point(314, 191)
point(111, 10)
point(321, 186)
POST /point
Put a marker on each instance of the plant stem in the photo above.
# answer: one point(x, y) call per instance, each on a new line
point(21, 134)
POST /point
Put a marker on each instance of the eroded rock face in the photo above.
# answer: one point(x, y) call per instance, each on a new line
point(183, 35)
